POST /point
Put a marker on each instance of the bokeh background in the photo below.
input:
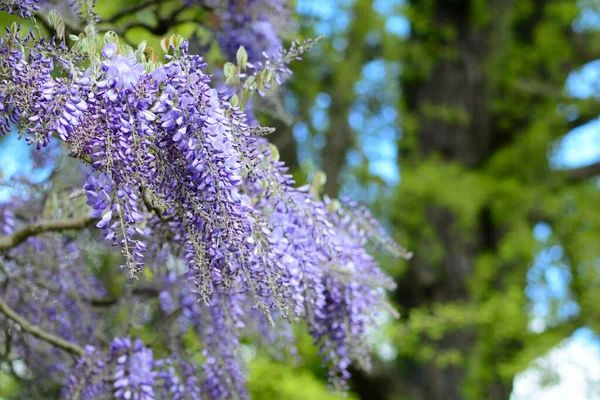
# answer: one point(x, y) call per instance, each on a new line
point(471, 128)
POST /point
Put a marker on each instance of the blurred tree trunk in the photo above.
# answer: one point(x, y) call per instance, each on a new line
point(455, 122)
point(338, 142)
point(453, 108)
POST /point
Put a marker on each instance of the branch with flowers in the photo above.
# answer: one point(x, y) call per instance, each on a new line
point(41, 334)
point(181, 180)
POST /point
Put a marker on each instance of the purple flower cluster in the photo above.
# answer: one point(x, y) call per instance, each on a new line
point(124, 71)
point(87, 380)
point(177, 383)
point(134, 375)
point(7, 220)
point(330, 278)
point(22, 8)
point(26, 86)
point(223, 374)
point(353, 298)
point(175, 172)
point(252, 24)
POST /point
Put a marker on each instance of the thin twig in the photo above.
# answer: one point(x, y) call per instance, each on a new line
point(144, 291)
point(583, 173)
point(157, 210)
point(39, 333)
point(36, 228)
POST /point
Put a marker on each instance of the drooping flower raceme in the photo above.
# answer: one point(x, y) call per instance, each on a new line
point(129, 370)
point(134, 377)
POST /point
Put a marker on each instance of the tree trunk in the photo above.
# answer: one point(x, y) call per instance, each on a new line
point(453, 105)
point(339, 139)
point(457, 84)
point(455, 123)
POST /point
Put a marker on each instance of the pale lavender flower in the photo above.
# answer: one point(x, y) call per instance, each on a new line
point(125, 71)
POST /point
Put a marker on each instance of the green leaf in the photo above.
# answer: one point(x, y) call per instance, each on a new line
point(90, 31)
point(111, 37)
point(235, 101)
point(274, 152)
point(242, 58)
point(56, 21)
point(334, 205)
point(53, 16)
point(140, 52)
point(231, 74)
point(14, 28)
point(318, 182)
point(249, 82)
point(164, 45)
